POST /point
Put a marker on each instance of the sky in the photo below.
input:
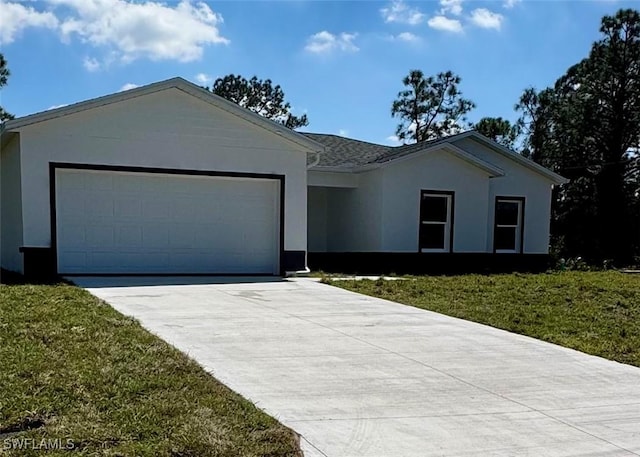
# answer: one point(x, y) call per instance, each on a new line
point(340, 62)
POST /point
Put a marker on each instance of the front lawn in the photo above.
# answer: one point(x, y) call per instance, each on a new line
point(75, 369)
point(594, 312)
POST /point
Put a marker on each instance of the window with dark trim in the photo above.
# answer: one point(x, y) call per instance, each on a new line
point(508, 229)
point(436, 221)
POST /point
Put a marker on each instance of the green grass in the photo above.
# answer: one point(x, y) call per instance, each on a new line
point(594, 312)
point(74, 368)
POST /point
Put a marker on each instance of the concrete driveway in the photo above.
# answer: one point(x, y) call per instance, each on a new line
point(359, 376)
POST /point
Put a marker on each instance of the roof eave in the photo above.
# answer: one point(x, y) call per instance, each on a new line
point(6, 137)
point(488, 168)
point(336, 169)
point(555, 178)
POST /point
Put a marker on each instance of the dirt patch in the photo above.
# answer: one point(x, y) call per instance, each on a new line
point(26, 424)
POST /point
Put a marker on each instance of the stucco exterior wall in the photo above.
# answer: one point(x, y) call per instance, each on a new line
point(518, 181)
point(340, 205)
point(354, 215)
point(439, 170)
point(10, 206)
point(332, 179)
point(343, 218)
point(166, 129)
point(317, 219)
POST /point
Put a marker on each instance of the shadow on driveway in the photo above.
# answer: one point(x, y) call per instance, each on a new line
point(98, 282)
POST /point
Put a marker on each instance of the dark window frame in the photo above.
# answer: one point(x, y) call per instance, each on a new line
point(522, 201)
point(451, 209)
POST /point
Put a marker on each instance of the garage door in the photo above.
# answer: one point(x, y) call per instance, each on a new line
point(122, 222)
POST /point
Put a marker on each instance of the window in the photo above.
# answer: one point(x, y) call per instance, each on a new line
point(508, 229)
point(436, 221)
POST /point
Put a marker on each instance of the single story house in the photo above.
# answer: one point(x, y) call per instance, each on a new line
point(171, 179)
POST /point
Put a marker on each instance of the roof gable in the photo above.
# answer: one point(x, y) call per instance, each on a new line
point(177, 83)
point(455, 151)
point(514, 156)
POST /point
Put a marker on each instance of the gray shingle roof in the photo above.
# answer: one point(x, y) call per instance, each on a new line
point(347, 152)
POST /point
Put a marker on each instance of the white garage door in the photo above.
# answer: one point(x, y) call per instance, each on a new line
point(121, 222)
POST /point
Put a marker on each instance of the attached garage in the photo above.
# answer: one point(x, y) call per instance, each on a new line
point(165, 179)
point(123, 222)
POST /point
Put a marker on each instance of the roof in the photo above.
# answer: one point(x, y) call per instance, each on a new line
point(349, 154)
point(177, 83)
point(342, 152)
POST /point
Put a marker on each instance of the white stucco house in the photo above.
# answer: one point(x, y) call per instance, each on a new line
point(170, 179)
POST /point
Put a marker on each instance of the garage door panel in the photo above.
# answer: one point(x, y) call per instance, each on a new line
point(72, 234)
point(129, 237)
point(77, 260)
point(182, 236)
point(138, 262)
point(155, 209)
point(97, 181)
point(189, 259)
point(206, 235)
point(156, 236)
point(125, 184)
point(120, 222)
point(75, 182)
point(99, 236)
point(128, 206)
point(208, 215)
point(97, 204)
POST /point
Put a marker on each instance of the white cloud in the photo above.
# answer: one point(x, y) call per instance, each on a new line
point(510, 3)
point(445, 24)
point(398, 11)
point(125, 29)
point(204, 78)
point(58, 106)
point(393, 140)
point(343, 132)
point(451, 6)
point(408, 37)
point(152, 30)
point(15, 17)
point(325, 42)
point(486, 19)
point(91, 64)
point(128, 86)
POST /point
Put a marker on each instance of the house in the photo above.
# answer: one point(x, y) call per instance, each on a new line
point(171, 179)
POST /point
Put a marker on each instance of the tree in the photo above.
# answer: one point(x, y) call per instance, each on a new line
point(498, 129)
point(534, 109)
point(587, 127)
point(4, 76)
point(259, 96)
point(611, 80)
point(430, 107)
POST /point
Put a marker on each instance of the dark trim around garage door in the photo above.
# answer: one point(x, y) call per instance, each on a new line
point(53, 166)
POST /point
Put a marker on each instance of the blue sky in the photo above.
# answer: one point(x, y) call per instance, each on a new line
point(340, 62)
